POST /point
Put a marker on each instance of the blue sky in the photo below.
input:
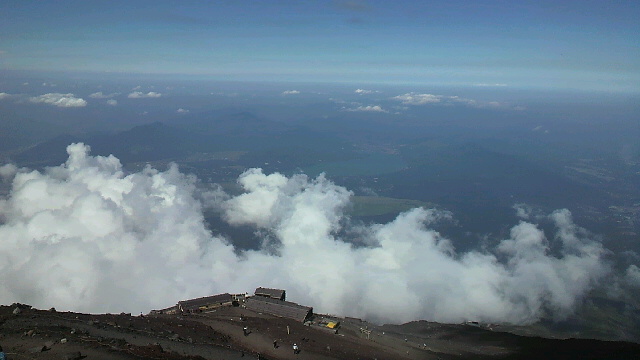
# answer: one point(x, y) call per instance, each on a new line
point(586, 45)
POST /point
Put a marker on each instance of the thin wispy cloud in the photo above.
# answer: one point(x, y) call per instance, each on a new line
point(112, 102)
point(182, 111)
point(290, 92)
point(59, 100)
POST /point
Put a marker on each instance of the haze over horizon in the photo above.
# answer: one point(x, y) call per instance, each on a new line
point(581, 45)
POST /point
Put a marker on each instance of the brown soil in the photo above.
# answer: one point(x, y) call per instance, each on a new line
point(42, 334)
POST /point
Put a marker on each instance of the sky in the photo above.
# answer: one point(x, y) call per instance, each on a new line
point(583, 45)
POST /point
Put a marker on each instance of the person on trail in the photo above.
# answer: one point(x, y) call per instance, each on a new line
point(275, 344)
point(245, 331)
point(295, 349)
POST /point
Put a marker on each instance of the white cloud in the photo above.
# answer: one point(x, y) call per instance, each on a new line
point(4, 95)
point(60, 100)
point(523, 211)
point(182, 111)
point(423, 99)
point(418, 99)
point(140, 95)
point(86, 236)
point(363, 91)
point(112, 102)
point(370, 108)
point(100, 95)
point(290, 92)
point(8, 171)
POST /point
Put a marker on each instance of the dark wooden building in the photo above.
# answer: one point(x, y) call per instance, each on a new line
point(206, 303)
point(271, 293)
point(279, 308)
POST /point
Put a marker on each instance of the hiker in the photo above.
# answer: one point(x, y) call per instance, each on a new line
point(245, 331)
point(2, 355)
point(295, 349)
point(275, 344)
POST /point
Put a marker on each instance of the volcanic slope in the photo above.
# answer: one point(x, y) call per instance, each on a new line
point(28, 333)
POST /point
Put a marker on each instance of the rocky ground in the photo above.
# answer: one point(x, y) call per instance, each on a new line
point(27, 333)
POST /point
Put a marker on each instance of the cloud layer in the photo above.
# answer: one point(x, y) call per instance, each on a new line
point(88, 237)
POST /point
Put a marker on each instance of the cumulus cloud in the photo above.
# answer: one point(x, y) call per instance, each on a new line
point(182, 111)
point(4, 95)
point(8, 171)
point(290, 92)
point(370, 108)
point(100, 95)
point(60, 100)
point(418, 99)
point(523, 211)
point(86, 236)
point(112, 102)
point(141, 95)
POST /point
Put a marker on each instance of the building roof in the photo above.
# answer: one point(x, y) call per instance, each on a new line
point(280, 308)
point(272, 293)
point(204, 301)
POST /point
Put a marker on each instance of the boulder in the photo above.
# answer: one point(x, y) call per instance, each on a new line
point(38, 349)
